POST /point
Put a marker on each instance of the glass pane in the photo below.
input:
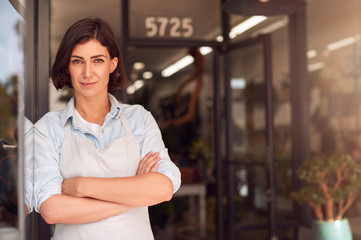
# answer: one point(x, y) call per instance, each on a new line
point(250, 201)
point(248, 104)
point(334, 55)
point(249, 136)
point(188, 140)
point(11, 72)
point(249, 146)
point(282, 134)
point(335, 77)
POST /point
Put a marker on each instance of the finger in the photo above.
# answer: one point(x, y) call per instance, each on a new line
point(148, 157)
point(151, 164)
point(155, 167)
point(142, 161)
point(144, 166)
point(148, 163)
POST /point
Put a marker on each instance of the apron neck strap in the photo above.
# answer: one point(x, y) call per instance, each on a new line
point(125, 123)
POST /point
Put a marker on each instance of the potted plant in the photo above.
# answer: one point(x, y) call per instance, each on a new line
point(331, 186)
point(200, 155)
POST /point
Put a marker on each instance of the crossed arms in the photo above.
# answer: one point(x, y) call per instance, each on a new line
point(89, 199)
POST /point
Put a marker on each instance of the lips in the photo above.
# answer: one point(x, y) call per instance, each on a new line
point(87, 84)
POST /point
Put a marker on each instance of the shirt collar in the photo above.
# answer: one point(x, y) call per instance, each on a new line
point(115, 107)
point(68, 112)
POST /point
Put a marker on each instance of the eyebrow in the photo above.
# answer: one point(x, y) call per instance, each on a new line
point(92, 57)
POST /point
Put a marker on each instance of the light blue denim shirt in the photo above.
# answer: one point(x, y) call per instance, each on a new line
point(49, 134)
point(28, 166)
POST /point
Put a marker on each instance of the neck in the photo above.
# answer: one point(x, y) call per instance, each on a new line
point(93, 110)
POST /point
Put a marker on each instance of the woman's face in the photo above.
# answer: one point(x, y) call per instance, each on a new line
point(89, 67)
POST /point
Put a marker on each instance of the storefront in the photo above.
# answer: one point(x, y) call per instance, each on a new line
point(265, 97)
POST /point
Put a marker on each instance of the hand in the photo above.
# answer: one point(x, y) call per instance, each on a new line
point(71, 187)
point(149, 163)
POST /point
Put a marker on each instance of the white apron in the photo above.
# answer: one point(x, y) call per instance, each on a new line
point(80, 158)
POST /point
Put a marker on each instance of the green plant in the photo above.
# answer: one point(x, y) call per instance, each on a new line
point(200, 151)
point(200, 154)
point(332, 184)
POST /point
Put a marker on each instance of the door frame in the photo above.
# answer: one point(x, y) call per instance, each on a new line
point(300, 134)
point(229, 164)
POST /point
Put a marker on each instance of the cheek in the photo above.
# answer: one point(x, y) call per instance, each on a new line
point(75, 72)
point(105, 71)
point(72, 71)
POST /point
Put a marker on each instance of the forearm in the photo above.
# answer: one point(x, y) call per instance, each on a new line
point(72, 210)
point(141, 190)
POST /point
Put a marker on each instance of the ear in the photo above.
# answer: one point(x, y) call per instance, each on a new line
point(113, 64)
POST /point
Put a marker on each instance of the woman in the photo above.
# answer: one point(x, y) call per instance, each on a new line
point(98, 163)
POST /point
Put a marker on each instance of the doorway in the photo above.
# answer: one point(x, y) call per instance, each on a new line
point(258, 167)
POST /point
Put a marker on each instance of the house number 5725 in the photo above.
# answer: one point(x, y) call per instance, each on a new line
point(174, 27)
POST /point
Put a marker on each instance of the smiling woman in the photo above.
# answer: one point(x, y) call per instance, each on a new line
point(98, 164)
point(89, 68)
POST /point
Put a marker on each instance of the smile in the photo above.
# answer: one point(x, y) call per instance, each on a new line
point(86, 84)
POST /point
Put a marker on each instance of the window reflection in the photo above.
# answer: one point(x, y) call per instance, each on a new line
point(11, 67)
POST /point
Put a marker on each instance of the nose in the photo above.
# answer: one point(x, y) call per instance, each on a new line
point(87, 73)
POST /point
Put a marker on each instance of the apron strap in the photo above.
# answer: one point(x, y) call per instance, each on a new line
point(125, 123)
point(67, 129)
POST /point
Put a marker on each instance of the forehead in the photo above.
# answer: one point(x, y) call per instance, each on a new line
point(90, 48)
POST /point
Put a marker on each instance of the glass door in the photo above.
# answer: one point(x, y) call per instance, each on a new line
point(248, 168)
point(258, 163)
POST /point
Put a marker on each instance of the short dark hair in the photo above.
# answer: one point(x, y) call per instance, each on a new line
point(81, 32)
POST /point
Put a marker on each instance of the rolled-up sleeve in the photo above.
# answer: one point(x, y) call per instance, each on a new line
point(153, 142)
point(28, 180)
point(47, 176)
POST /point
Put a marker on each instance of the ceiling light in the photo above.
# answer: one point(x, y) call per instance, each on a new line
point(147, 75)
point(315, 66)
point(138, 65)
point(342, 43)
point(182, 63)
point(246, 25)
point(219, 38)
point(131, 89)
point(311, 53)
point(272, 27)
point(205, 50)
point(138, 84)
point(238, 83)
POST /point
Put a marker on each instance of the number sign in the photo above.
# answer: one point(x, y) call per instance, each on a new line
point(172, 27)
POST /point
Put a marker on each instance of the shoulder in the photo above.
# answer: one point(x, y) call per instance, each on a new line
point(53, 118)
point(139, 118)
point(50, 124)
point(135, 111)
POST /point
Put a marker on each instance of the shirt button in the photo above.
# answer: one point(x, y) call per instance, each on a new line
point(102, 130)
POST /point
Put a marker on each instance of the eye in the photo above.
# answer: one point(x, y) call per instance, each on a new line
point(76, 61)
point(98, 60)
